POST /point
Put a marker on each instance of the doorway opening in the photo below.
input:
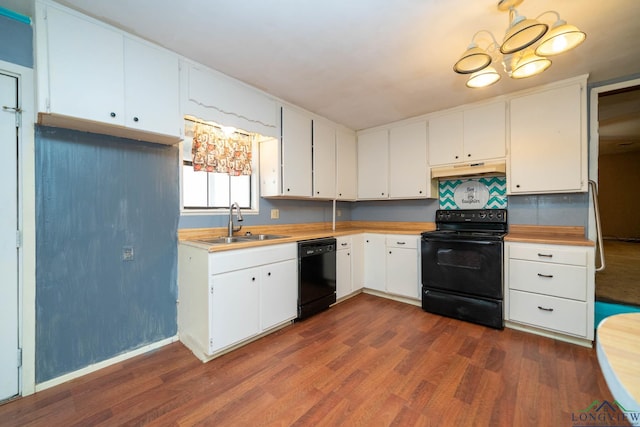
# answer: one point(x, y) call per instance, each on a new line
point(618, 174)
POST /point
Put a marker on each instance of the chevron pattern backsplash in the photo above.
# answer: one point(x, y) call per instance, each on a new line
point(496, 185)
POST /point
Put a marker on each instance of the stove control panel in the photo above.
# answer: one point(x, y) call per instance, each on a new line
point(472, 215)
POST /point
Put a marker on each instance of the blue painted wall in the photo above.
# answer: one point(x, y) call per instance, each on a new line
point(96, 194)
point(17, 42)
point(291, 212)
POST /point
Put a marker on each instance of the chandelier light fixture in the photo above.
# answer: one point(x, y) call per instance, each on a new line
point(525, 48)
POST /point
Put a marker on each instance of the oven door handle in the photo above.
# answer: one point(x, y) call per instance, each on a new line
point(475, 242)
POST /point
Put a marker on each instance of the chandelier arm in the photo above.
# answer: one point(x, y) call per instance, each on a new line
point(492, 46)
point(550, 11)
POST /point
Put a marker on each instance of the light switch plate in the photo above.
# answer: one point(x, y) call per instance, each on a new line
point(275, 213)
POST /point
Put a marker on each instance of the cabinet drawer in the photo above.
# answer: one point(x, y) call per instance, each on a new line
point(549, 253)
point(566, 281)
point(562, 315)
point(343, 242)
point(400, 241)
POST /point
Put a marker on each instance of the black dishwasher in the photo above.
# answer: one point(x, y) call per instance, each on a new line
point(316, 276)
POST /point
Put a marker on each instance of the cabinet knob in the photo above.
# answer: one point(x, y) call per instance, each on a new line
point(420, 192)
point(468, 155)
point(382, 194)
point(456, 157)
point(112, 114)
point(517, 185)
point(317, 192)
point(253, 279)
point(339, 194)
point(269, 274)
point(135, 119)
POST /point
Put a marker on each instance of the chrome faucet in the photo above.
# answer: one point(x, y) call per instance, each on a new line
point(231, 228)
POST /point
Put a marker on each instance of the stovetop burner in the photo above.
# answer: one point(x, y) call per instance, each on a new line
point(476, 224)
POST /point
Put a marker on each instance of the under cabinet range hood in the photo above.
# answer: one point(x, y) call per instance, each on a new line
point(495, 167)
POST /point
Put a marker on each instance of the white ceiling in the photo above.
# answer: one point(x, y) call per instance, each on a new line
point(364, 63)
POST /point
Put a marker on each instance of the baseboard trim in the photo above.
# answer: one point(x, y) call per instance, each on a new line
point(100, 365)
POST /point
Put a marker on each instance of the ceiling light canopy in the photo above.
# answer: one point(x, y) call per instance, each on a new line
point(525, 47)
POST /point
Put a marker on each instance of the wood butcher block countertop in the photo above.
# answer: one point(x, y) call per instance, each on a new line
point(298, 232)
point(553, 235)
point(618, 348)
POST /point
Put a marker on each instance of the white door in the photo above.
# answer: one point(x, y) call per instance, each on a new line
point(8, 226)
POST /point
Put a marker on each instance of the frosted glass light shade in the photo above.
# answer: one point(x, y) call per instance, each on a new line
point(561, 38)
point(472, 60)
point(528, 64)
point(483, 78)
point(522, 35)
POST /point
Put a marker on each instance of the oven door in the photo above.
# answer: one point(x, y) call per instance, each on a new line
point(469, 267)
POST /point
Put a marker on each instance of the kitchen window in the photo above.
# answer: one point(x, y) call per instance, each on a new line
point(225, 168)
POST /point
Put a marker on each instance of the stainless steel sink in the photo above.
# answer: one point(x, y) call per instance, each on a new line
point(223, 240)
point(237, 239)
point(263, 236)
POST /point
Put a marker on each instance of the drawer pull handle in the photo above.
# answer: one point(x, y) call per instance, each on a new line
point(545, 255)
point(545, 309)
point(401, 243)
point(344, 244)
point(548, 276)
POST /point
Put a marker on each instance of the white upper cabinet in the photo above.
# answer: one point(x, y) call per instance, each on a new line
point(346, 165)
point(286, 164)
point(151, 89)
point(470, 135)
point(324, 160)
point(548, 141)
point(408, 167)
point(85, 69)
point(94, 77)
point(296, 153)
point(373, 165)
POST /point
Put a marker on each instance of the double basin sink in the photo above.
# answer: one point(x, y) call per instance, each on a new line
point(238, 239)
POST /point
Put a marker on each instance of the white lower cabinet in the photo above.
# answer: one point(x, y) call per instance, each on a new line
point(375, 271)
point(234, 307)
point(392, 264)
point(403, 269)
point(349, 265)
point(344, 281)
point(227, 298)
point(551, 289)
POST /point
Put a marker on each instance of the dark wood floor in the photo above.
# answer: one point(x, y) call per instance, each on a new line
point(367, 361)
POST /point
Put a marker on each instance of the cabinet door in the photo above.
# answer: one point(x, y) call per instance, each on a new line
point(375, 262)
point(278, 293)
point(324, 160)
point(484, 132)
point(408, 168)
point(151, 89)
point(402, 272)
point(357, 262)
point(547, 149)
point(346, 166)
point(234, 307)
point(86, 63)
point(296, 153)
point(446, 138)
point(373, 165)
point(343, 273)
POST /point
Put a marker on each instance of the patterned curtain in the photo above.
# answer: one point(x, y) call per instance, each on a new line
point(215, 151)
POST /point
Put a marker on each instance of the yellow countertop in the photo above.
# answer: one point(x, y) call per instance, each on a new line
point(297, 232)
point(618, 347)
point(551, 235)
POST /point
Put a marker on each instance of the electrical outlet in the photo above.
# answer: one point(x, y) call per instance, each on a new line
point(338, 212)
point(275, 213)
point(127, 253)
